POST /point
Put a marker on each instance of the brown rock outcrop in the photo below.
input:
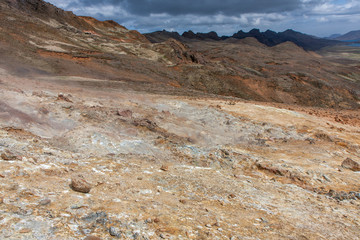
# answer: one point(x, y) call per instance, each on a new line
point(79, 184)
point(350, 164)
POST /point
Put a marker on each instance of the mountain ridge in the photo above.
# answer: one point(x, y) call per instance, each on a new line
point(350, 36)
point(269, 38)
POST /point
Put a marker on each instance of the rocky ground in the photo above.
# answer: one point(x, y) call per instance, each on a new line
point(79, 161)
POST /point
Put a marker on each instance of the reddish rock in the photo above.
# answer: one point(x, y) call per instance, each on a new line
point(62, 97)
point(232, 195)
point(125, 114)
point(164, 168)
point(79, 184)
point(8, 156)
point(351, 164)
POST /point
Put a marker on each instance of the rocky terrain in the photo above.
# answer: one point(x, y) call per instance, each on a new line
point(104, 135)
point(160, 166)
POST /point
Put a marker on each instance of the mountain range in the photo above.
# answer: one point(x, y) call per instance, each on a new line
point(269, 38)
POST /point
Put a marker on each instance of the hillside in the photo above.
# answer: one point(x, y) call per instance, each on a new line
point(40, 39)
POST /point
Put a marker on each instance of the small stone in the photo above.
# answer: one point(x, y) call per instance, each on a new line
point(139, 178)
point(92, 238)
point(217, 224)
point(149, 220)
point(79, 184)
point(1, 199)
point(208, 226)
point(114, 232)
point(165, 236)
point(350, 164)
point(164, 168)
point(62, 97)
point(25, 230)
point(125, 113)
point(232, 195)
point(8, 156)
point(44, 202)
point(183, 201)
point(156, 220)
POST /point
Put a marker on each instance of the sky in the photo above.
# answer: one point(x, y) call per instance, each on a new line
point(316, 17)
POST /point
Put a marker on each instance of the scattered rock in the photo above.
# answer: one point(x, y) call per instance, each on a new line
point(44, 110)
point(164, 168)
point(341, 196)
point(115, 232)
point(156, 220)
point(44, 202)
point(125, 113)
point(79, 184)
point(1, 199)
point(208, 226)
point(165, 236)
point(25, 230)
point(350, 164)
point(62, 97)
point(152, 126)
point(232, 195)
point(183, 201)
point(92, 238)
point(149, 220)
point(8, 156)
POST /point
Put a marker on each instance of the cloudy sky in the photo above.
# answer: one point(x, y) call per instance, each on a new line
point(316, 17)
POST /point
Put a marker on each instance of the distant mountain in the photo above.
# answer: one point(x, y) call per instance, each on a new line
point(350, 36)
point(269, 38)
point(333, 36)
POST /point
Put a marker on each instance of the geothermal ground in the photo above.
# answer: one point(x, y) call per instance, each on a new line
point(97, 159)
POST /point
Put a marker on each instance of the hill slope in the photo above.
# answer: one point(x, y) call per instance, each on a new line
point(38, 38)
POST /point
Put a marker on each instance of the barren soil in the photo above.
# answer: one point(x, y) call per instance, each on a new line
point(172, 167)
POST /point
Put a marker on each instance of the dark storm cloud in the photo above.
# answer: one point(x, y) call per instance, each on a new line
point(317, 17)
point(200, 7)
